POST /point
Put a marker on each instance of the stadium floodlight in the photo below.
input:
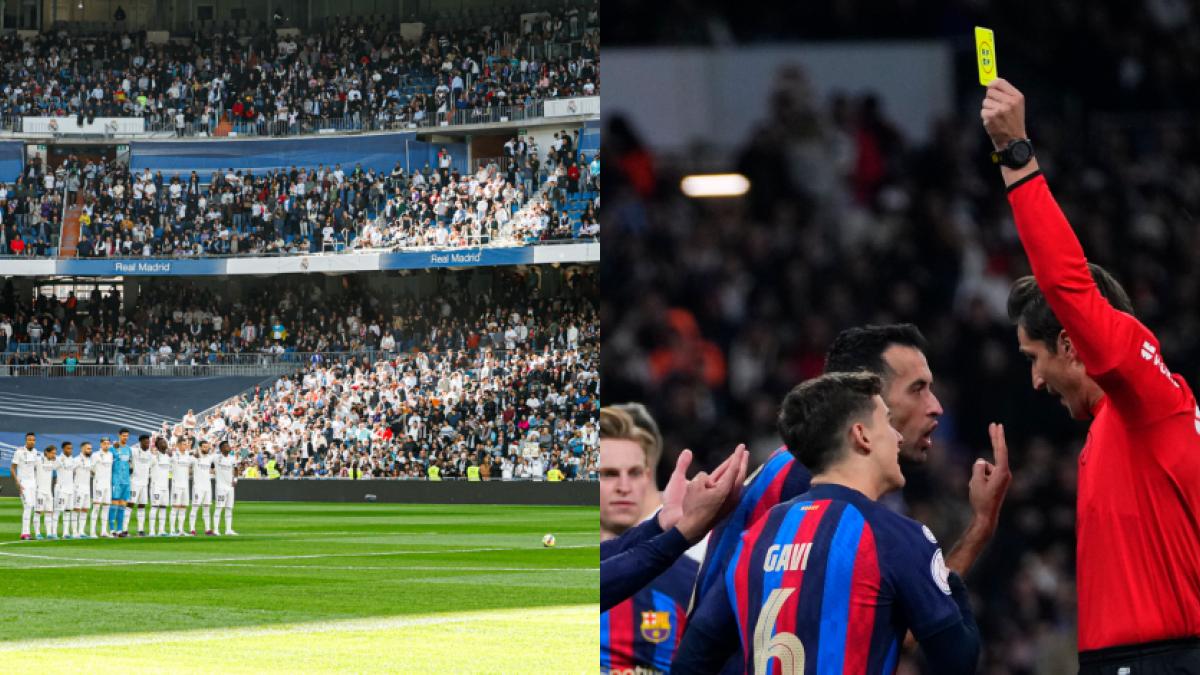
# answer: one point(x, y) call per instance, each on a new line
point(715, 185)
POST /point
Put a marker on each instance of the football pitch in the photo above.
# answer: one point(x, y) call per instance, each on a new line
point(311, 587)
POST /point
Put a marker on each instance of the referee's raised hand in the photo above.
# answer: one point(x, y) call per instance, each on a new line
point(1003, 113)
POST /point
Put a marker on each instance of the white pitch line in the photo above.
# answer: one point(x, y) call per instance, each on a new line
point(353, 567)
point(203, 561)
point(143, 639)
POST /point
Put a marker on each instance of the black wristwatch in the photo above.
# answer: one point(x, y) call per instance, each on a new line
point(1015, 155)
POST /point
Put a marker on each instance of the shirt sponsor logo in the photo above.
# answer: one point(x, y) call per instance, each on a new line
point(656, 626)
point(787, 558)
point(1150, 353)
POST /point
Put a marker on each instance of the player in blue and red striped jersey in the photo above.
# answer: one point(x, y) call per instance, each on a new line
point(896, 353)
point(639, 634)
point(831, 581)
point(1137, 534)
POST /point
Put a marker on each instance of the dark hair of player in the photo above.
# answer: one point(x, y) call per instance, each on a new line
point(1027, 305)
point(66, 443)
point(815, 415)
point(862, 348)
point(122, 431)
point(144, 437)
point(48, 448)
point(27, 435)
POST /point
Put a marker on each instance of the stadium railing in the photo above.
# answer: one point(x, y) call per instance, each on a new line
point(365, 122)
point(129, 370)
point(176, 365)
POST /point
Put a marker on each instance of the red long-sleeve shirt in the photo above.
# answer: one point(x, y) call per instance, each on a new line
point(1138, 512)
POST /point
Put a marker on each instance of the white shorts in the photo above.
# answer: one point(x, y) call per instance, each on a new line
point(45, 501)
point(28, 494)
point(179, 496)
point(63, 500)
point(224, 497)
point(102, 494)
point(202, 497)
point(159, 496)
point(139, 493)
point(83, 498)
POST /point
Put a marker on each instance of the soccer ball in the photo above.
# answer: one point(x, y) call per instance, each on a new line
point(548, 540)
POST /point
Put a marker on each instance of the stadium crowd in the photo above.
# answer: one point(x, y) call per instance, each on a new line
point(358, 72)
point(521, 413)
point(311, 210)
point(30, 215)
point(179, 322)
point(715, 310)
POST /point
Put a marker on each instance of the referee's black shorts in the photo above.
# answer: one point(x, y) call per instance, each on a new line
point(1169, 657)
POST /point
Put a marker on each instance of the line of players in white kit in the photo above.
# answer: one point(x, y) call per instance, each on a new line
point(68, 487)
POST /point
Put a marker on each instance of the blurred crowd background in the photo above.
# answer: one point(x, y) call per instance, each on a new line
point(713, 309)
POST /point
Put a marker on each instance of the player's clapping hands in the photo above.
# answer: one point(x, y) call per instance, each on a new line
point(696, 506)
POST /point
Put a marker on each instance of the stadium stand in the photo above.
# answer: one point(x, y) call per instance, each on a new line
point(513, 413)
point(301, 210)
point(182, 322)
point(357, 73)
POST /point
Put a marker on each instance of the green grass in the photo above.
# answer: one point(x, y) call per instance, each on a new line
point(313, 587)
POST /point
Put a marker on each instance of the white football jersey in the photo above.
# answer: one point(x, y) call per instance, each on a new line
point(45, 472)
point(102, 469)
point(83, 471)
point(142, 459)
point(66, 473)
point(225, 465)
point(27, 462)
point(204, 468)
point(181, 465)
point(160, 469)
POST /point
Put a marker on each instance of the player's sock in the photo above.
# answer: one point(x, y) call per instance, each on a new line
point(142, 519)
point(125, 518)
point(217, 519)
point(192, 519)
point(207, 512)
point(162, 520)
point(228, 520)
point(26, 516)
point(105, 512)
point(50, 518)
point(92, 513)
point(75, 531)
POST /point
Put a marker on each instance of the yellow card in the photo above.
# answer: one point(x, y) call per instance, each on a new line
point(985, 50)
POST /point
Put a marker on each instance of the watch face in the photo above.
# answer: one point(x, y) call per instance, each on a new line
point(1020, 153)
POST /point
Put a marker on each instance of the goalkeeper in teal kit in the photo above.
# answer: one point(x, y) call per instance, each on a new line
point(122, 456)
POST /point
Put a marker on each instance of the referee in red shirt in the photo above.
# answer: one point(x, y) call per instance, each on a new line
point(1138, 514)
